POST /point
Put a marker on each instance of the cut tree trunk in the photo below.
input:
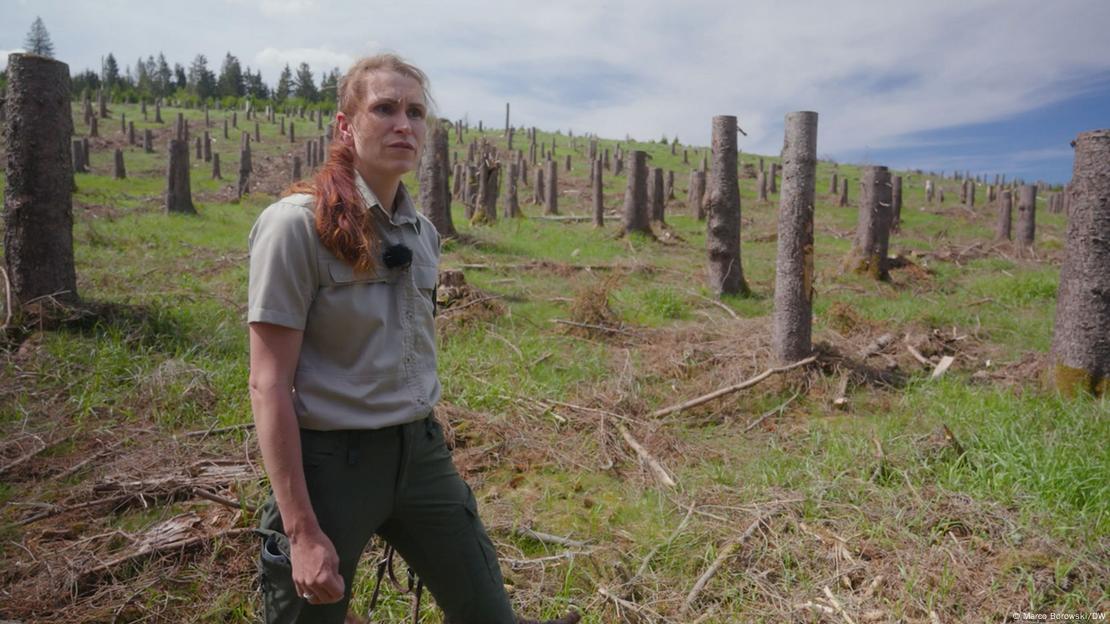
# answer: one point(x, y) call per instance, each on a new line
point(435, 200)
point(869, 251)
point(244, 184)
point(726, 274)
point(792, 327)
point(551, 203)
point(656, 188)
point(843, 201)
point(1027, 215)
point(896, 204)
point(512, 197)
point(78, 157)
point(216, 167)
point(598, 192)
point(1081, 338)
point(179, 195)
point(1005, 210)
point(118, 171)
point(695, 193)
point(636, 215)
point(38, 195)
point(297, 168)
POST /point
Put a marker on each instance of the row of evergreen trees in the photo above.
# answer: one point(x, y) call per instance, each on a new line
point(153, 78)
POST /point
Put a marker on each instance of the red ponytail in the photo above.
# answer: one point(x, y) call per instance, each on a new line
point(345, 227)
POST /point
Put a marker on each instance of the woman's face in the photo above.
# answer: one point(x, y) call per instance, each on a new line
point(387, 131)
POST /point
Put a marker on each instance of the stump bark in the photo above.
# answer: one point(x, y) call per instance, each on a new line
point(148, 141)
point(657, 201)
point(551, 203)
point(244, 184)
point(896, 204)
point(694, 194)
point(1081, 337)
point(216, 167)
point(118, 171)
point(297, 168)
point(869, 251)
point(726, 274)
point(78, 158)
point(843, 201)
point(538, 189)
point(792, 326)
point(435, 200)
point(38, 195)
point(1005, 210)
point(597, 191)
point(1027, 215)
point(179, 195)
point(636, 215)
point(512, 199)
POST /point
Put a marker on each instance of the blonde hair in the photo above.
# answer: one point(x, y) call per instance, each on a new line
point(351, 92)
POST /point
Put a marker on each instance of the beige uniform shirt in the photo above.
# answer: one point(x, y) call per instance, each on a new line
point(368, 358)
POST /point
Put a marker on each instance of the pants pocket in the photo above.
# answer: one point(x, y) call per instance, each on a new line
point(280, 603)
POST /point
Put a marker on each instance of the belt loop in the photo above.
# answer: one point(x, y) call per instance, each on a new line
point(352, 447)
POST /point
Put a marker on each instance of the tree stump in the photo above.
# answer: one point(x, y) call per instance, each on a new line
point(94, 128)
point(38, 195)
point(761, 185)
point(432, 176)
point(637, 217)
point(568, 162)
point(216, 167)
point(551, 202)
point(722, 206)
point(832, 185)
point(1005, 209)
point(131, 133)
point(296, 168)
point(119, 172)
point(792, 326)
point(772, 180)
point(970, 194)
point(668, 186)
point(870, 248)
point(234, 119)
point(257, 132)
point(158, 111)
point(512, 200)
point(1081, 337)
point(198, 151)
point(694, 192)
point(1027, 215)
point(843, 201)
point(292, 133)
point(148, 141)
point(487, 191)
point(78, 158)
point(244, 182)
point(896, 204)
point(179, 195)
point(597, 189)
point(537, 188)
point(655, 196)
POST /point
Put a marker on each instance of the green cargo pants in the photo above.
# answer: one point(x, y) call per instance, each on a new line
point(398, 482)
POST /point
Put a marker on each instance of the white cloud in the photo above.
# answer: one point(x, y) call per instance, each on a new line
point(272, 60)
point(280, 8)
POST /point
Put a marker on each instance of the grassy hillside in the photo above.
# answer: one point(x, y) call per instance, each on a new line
point(833, 485)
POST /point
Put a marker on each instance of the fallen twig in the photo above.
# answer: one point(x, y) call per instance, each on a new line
point(548, 538)
point(40, 447)
point(667, 542)
point(726, 552)
point(776, 410)
point(656, 467)
point(917, 355)
point(719, 304)
point(216, 498)
point(207, 432)
point(730, 389)
point(942, 367)
point(836, 605)
point(615, 330)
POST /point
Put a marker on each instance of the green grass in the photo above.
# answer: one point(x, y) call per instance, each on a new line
point(172, 356)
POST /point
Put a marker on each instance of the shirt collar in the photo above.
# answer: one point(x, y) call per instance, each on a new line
point(406, 210)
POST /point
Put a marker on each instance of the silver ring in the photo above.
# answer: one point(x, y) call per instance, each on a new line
point(307, 596)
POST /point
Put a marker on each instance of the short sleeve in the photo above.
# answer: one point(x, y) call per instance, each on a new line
point(283, 271)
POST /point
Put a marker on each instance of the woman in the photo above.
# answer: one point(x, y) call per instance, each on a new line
point(343, 372)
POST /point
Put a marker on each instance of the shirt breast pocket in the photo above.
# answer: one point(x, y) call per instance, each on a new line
point(424, 277)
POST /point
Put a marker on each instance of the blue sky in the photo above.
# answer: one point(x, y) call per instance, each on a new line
point(990, 86)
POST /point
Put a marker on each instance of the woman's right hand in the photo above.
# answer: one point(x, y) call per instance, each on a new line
point(316, 568)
